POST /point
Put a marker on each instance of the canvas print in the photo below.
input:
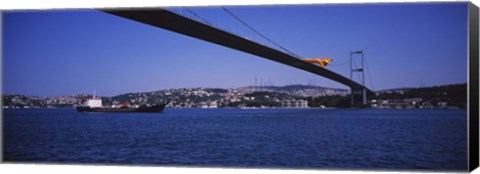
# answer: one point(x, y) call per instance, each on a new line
point(339, 86)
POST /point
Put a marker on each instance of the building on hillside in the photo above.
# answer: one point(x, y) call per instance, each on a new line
point(294, 103)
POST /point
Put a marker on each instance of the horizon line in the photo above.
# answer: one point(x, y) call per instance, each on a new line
point(234, 88)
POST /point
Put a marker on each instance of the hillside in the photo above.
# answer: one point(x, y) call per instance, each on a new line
point(264, 96)
point(453, 95)
point(184, 97)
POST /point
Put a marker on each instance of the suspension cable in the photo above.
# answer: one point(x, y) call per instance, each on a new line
point(343, 57)
point(198, 16)
point(263, 36)
point(338, 62)
point(368, 71)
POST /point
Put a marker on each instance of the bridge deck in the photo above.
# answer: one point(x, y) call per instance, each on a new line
point(170, 21)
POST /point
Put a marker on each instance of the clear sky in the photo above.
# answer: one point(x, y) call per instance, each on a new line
point(67, 52)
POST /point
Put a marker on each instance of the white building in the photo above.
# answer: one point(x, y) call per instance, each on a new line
point(294, 104)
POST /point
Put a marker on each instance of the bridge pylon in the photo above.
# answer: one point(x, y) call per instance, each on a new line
point(358, 69)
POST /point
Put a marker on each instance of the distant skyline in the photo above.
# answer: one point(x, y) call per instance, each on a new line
point(67, 52)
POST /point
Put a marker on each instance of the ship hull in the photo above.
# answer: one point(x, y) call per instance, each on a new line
point(155, 108)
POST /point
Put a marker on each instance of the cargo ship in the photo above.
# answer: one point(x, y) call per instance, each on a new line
point(95, 105)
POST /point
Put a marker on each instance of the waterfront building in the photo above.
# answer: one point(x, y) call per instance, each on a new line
point(294, 103)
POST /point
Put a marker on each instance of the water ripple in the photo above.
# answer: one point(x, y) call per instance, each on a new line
point(285, 138)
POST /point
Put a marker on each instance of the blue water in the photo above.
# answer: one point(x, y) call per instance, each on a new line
point(262, 138)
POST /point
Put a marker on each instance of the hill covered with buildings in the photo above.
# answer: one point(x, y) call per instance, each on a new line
point(264, 96)
point(302, 96)
point(445, 96)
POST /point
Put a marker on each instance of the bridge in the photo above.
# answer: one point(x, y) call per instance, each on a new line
point(173, 22)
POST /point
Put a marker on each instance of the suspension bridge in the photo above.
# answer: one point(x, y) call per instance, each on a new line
point(171, 21)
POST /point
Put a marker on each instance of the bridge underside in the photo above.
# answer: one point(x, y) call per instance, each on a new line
point(170, 21)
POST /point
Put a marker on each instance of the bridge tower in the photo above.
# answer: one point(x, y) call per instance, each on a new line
point(358, 69)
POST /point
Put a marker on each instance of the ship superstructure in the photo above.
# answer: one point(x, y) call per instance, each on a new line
point(95, 105)
point(94, 102)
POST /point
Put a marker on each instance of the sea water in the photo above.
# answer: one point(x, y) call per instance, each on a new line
point(259, 138)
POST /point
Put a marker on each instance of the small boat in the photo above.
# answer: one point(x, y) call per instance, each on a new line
point(95, 105)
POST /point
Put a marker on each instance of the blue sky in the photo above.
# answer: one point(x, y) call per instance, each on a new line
point(67, 52)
